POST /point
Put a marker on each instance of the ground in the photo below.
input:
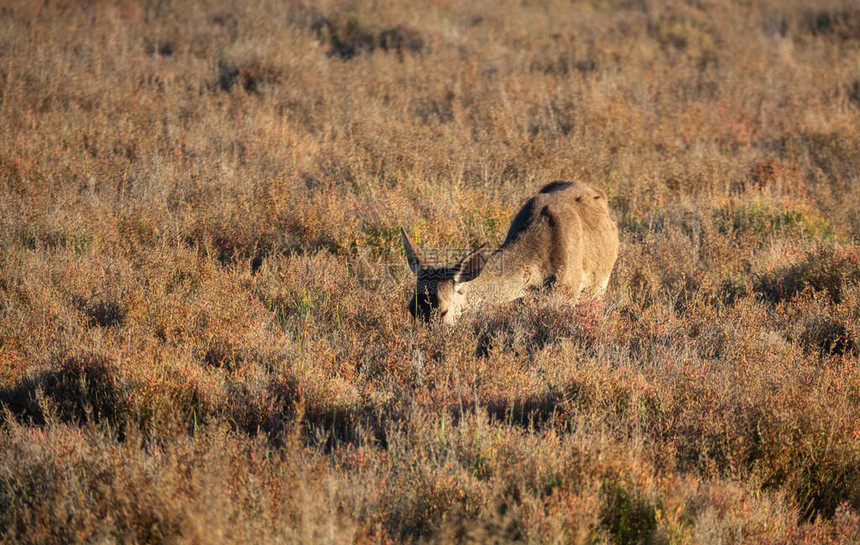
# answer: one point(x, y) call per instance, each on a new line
point(203, 325)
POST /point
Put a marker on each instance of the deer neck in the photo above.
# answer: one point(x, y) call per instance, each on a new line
point(502, 279)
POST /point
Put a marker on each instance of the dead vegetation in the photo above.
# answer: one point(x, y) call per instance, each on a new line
point(203, 325)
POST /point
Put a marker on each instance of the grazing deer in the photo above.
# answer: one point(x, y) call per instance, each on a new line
point(562, 236)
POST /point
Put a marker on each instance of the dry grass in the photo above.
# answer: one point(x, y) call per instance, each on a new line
point(203, 332)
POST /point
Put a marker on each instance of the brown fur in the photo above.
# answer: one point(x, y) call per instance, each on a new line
point(563, 236)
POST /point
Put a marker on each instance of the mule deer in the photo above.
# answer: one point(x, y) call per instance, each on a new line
point(562, 236)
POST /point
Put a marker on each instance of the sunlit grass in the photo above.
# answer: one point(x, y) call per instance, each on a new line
point(203, 325)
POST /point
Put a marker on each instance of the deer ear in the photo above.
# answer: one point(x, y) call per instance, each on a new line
point(471, 266)
point(414, 255)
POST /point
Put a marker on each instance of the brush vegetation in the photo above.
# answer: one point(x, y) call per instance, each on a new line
point(203, 325)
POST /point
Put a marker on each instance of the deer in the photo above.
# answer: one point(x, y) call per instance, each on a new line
point(563, 237)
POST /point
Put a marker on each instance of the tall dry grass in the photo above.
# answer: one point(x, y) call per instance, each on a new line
point(203, 333)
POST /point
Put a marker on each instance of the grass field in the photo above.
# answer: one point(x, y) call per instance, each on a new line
point(203, 325)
